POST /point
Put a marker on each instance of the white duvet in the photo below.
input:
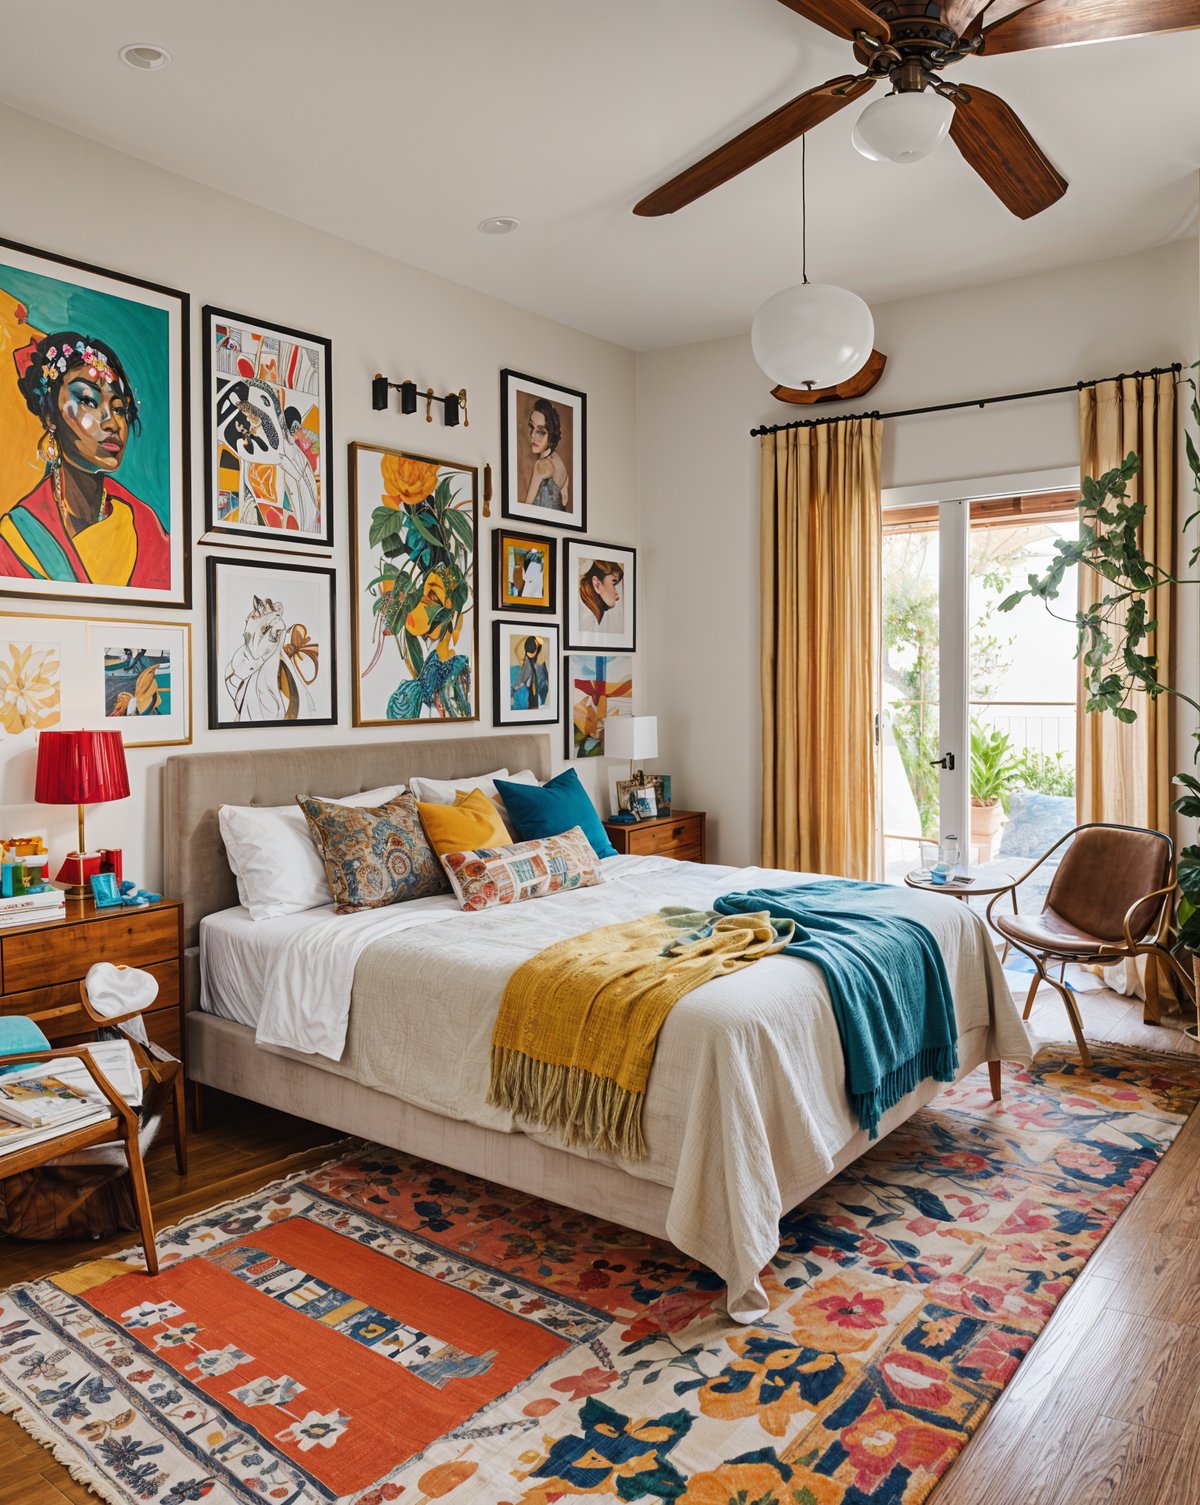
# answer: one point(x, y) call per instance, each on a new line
point(746, 1109)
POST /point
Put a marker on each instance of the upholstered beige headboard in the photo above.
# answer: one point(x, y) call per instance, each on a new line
point(195, 870)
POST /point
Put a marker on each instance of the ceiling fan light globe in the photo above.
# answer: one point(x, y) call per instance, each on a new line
point(903, 127)
point(812, 335)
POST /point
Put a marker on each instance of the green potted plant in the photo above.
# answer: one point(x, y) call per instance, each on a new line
point(994, 770)
point(1112, 636)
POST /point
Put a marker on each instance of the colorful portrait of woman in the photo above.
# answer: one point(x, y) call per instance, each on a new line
point(79, 523)
point(544, 451)
point(600, 587)
point(599, 584)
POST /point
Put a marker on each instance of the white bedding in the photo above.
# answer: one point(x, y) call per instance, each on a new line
point(746, 1109)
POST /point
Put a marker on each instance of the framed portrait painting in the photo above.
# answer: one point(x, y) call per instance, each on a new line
point(526, 678)
point(267, 422)
point(94, 419)
point(526, 571)
point(414, 582)
point(543, 452)
point(597, 686)
point(599, 595)
point(99, 673)
point(272, 644)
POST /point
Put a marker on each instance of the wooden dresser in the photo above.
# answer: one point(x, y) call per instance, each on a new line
point(679, 835)
point(41, 966)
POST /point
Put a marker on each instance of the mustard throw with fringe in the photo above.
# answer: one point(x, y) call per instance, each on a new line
point(579, 1022)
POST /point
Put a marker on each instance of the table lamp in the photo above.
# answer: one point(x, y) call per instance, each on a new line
point(631, 737)
point(80, 768)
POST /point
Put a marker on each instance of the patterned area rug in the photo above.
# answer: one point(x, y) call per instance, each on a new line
point(380, 1330)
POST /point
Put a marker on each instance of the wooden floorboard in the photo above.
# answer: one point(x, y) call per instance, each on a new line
point(1105, 1410)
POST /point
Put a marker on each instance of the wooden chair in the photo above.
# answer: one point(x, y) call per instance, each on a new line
point(1110, 899)
point(120, 1126)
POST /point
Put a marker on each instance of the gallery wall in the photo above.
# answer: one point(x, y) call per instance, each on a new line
point(698, 472)
point(70, 196)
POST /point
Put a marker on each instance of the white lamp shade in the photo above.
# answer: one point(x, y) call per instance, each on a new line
point(812, 335)
point(903, 127)
point(631, 737)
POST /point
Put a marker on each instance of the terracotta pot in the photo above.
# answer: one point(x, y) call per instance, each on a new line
point(985, 822)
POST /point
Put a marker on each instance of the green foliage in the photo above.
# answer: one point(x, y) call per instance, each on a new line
point(1042, 773)
point(1112, 635)
point(995, 767)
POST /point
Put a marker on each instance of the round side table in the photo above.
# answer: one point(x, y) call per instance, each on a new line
point(987, 878)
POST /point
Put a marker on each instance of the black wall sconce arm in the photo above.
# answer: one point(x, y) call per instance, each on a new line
point(454, 404)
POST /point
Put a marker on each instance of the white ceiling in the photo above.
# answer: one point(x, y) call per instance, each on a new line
point(402, 123)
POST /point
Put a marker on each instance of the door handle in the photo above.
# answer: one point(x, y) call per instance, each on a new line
point(946, 762)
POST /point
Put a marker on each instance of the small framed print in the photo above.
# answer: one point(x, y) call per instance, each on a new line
point(543, 452)
point(596, 686)
point(526, 572)
point(525, 681)
point(99, 673)
point(658, 786)
point(599, 596)
point(272, 645)
point(267, 425)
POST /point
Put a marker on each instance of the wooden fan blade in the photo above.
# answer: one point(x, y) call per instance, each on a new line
point(752, 145)
point(1061, 23)
point(991, 137)
point(845, 18)
point(958, 14)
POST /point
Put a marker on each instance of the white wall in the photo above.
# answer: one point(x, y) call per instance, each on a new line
point(65, 194)
point(698, 477)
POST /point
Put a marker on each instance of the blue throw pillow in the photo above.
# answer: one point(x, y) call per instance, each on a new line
point(539, 810)
point(18, 1036)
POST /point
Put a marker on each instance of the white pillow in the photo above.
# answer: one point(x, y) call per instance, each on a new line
point(273, 858)
point(444, 791)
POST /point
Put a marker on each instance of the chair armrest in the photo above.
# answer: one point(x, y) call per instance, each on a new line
point(105, 1021)
point(122, 1109)
point(1159, 893)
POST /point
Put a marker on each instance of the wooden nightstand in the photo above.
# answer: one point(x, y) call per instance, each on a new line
point(41, 966)
point(679, 835)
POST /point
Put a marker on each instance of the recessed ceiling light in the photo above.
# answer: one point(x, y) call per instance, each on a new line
point(499, 224)
point(145, 55)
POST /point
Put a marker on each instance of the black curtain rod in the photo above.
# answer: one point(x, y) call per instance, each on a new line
point(977, 402)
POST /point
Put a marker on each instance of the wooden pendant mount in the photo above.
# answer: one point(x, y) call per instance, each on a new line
point(854, 386)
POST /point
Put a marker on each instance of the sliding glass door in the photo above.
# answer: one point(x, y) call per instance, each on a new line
point(977, 722)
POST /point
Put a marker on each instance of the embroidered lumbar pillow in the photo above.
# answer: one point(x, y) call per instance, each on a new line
point(471, 821)
point(528, 870)
point(373, 856)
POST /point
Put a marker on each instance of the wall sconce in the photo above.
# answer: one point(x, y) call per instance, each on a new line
point(454, 404)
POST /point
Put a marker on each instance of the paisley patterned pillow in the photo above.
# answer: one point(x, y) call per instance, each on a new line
point(373, 855)
point(528, 870)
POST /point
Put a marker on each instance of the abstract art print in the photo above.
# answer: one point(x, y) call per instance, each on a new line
point(30, 684)
point(414, 582)
point(543, 451)
point(598, 685)
point(600, 595)
point(267, 395)
point(526, 572)
point(93, 434)
point(526, 678)
point(272, 649)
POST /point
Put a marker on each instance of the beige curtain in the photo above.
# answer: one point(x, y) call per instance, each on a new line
point(1125, 770)
point(820, 573)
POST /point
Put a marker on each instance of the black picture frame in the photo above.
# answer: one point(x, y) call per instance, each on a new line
point(575, 640)
point(179, 596)
point(500, 673)
point(510, 438)
point(501, 538)
point(231, 535)
point(217, 648)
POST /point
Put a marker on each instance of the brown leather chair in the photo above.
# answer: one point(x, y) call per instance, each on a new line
point(1110, 899)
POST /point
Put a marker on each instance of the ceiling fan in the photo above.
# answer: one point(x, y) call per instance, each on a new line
point(908, 43)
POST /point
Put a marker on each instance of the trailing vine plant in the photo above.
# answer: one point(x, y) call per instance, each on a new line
point(1112, 635)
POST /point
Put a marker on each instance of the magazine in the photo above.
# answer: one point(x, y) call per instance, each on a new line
point(13, 1137)
point(38, 1100)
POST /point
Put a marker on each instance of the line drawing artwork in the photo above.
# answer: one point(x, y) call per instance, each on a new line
point(269, 673)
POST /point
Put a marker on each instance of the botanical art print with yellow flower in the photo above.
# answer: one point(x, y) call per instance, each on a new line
point(29, 687)
point(415, 527)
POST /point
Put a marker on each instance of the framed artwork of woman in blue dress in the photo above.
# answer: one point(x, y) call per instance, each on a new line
point(543, 451)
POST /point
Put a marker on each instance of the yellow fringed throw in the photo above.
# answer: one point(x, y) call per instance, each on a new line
point(579, 1022)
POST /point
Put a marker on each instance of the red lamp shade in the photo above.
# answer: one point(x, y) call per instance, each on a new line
point(80, 768)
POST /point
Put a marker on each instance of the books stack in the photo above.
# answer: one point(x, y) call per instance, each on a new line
point(48, 1098)
point(46, 903)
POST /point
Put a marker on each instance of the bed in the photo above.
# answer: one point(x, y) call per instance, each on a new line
point(379, 1024)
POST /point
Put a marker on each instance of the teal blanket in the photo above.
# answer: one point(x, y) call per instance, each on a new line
point(886, 978)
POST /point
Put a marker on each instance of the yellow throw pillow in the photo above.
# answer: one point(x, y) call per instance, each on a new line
point(470, 823)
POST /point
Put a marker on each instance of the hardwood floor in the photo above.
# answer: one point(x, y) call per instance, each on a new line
point(1104, 1411)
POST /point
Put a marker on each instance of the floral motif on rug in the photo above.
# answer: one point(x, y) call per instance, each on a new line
point(380, 1330)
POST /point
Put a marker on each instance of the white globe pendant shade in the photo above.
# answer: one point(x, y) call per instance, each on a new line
point(812, 335)
point(903, 127)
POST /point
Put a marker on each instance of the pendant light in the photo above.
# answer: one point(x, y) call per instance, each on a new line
point(903, 126)
point(814, 334)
